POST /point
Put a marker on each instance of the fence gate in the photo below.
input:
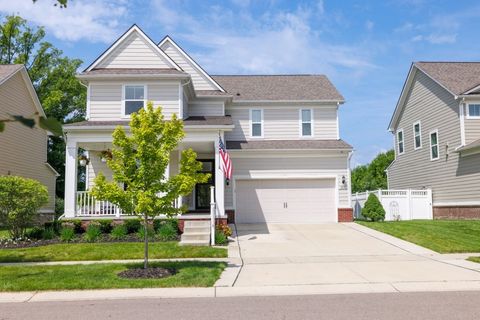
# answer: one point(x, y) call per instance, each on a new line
point(398, 204)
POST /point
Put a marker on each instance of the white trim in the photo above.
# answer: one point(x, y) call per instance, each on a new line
point(55, 172)
point(87, 115)
point(251, 123)
point(145, 97)
point(454, 203)
point(180, 101)
point(461, 107)
point(132, 29)
point(185, 55)
point(468, 110)
point(337, 124)
point(437, 145)
point(398, 142)
point(301, 122)
point(419, 134)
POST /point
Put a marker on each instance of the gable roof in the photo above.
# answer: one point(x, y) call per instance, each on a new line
point(457, 77)
point(133, 29)
point(9, 70)
point(189, 61)
point(279, 87)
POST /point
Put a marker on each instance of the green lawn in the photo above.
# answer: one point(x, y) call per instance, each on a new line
point(444, 236)
point(474, 259)
point(104, 276)
point(107, 251)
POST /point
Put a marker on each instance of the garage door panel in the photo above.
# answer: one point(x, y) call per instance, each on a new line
point(285, 201)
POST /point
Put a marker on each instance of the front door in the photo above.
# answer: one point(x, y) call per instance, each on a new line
point(202, 190)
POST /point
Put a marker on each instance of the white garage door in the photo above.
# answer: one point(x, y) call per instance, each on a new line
point(285, 201)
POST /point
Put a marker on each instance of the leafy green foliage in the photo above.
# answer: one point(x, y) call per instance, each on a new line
point(35, 233)
point(67, 234)
point(150, 232)
point(20, 200)
point(139, 161)
point(167, 232)
point(92, 233)
point(373, 175)
point(76, 224)
point(48, 234)
point(220, 237)
point(119, 232)
point(133, 225)
point(373, 209)
point(106, 225)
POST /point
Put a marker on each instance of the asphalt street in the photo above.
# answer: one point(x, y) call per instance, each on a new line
point(438, 305)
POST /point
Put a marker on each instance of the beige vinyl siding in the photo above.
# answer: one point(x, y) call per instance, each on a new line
point(327, 166)
point(472, 130)
point(95, 167)
point(205, 109)
point(200, 82)
point(106, 98)
point(283, 122)
point(23, 151)
point(134, 52)
point(451, 178)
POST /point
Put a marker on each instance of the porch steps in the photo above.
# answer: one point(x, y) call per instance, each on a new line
point(196, 233)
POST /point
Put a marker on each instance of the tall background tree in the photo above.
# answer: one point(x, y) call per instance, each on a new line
point(53, 75)
point(372, 176)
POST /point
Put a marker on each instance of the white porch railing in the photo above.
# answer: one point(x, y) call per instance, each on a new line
point(88, 206)
point(398, 204)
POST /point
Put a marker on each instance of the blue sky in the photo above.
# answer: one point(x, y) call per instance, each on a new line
point(364, 47)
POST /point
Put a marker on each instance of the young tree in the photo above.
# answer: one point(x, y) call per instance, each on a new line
point(139, 161)
point(373, 209)
point(372, 176)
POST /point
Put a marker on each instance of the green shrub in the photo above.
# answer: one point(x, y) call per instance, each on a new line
point(67, 234)
point(59, 207)
point(35, 233)
point(48, 234)
point(227, 231)
point(157, 223)
point(75, 223)
point(220, 237)
point(106, 225)
point(167, 232)
point(373, 209)
point(141, 233)
point(20, 200)
point(54, 225)
point(92, 233)
point(133, 225)
point(119, 232)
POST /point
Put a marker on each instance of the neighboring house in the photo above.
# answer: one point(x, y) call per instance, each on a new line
point(23, 150)
point(281, 131)
point(436, 125)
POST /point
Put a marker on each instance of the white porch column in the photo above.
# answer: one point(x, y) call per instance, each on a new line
point(219, 181)
point(179, 155)
point(70, 178)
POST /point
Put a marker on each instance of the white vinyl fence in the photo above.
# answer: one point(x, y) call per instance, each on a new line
point(398, 204)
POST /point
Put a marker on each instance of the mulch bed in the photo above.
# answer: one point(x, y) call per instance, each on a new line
point(149, 273)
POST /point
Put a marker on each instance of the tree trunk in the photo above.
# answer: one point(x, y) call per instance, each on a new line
point(145, 257)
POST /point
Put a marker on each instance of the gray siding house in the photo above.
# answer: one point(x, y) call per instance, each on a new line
point(436, 128)
point(281, 131)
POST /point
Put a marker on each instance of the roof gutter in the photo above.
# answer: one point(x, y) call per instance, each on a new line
point(130, 76)
point(126, 126)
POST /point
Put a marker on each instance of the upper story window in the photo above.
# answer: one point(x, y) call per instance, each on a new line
point(256, 120)
point(473, 111)
point(434, 151)
point(417, 135)
point(134, 98)
point(401, 147)
point(306, 122)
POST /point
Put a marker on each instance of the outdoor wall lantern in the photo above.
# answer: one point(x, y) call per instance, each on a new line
point(343, 180)
point(83, 160)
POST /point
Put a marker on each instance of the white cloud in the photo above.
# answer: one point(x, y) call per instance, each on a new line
point(92, 20)
point(369, 25)
point(441, 38)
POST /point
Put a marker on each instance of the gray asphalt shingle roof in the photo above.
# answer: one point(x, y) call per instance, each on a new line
point(279, 87)
point(457, 77)
point(288, 144)
point(131, 71)
point(192, 121)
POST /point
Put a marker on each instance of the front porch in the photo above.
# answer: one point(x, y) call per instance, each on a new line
point(80, 204)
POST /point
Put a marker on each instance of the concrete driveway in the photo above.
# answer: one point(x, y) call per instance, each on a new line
point(335, 254)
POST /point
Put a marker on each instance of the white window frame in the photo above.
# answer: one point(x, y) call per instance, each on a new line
point(468, 110)
point(419, 134)
point(437, 145)
point(251, 123)
point(398, 142)
point(301, 122)
point(145, 92)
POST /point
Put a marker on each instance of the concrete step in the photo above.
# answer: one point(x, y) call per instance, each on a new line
point(197, 223)
point(196, 229)
point(195, 243)
point(195, 236)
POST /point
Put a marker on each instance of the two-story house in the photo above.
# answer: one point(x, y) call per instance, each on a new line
point(436, 127)
point(281, 132)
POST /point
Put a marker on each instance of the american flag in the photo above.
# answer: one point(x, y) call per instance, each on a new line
point(226, 161)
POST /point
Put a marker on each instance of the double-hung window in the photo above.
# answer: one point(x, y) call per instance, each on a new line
point(400, 144)
point(256, 120)
point(134, 98)
point(473, 110)
point(306, 122)
point(417, 135)
point(434, 150)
